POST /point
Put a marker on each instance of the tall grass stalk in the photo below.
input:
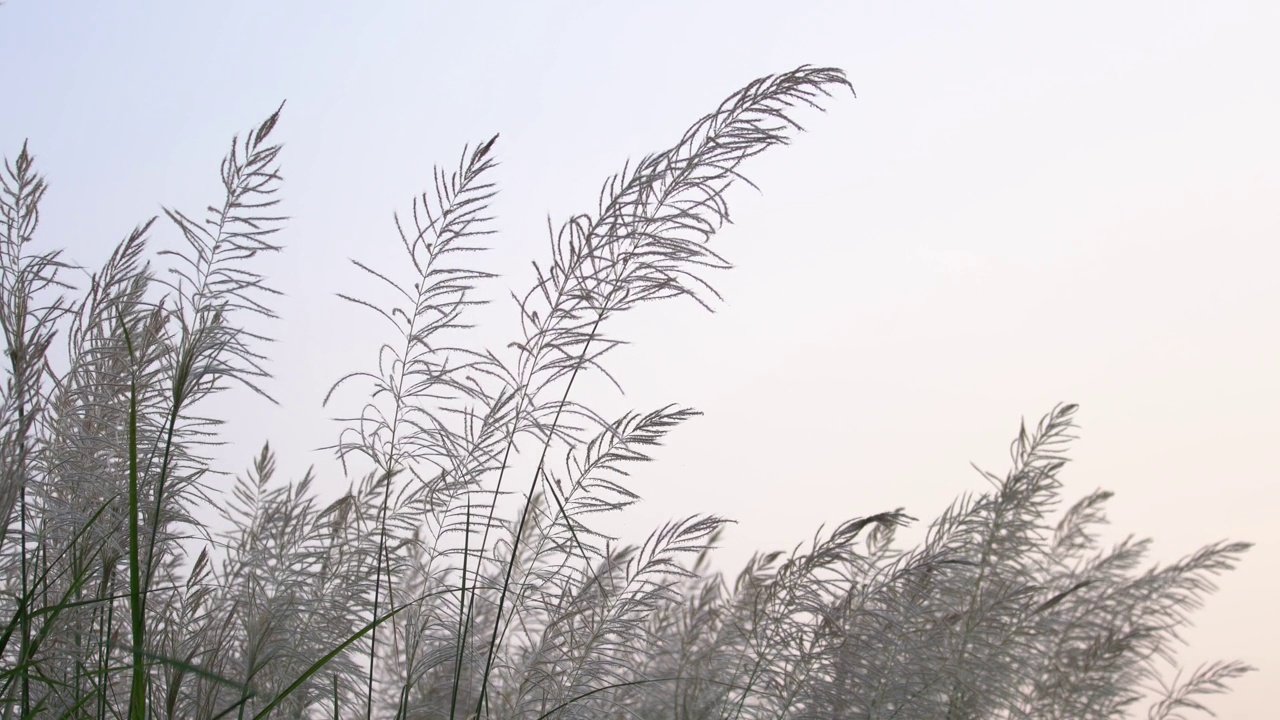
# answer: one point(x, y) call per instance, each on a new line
point(436, 588)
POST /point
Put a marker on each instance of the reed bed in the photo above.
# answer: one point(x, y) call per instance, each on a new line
point(462, 575)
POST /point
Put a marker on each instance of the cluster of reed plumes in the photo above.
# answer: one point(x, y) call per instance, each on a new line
point(461, 576)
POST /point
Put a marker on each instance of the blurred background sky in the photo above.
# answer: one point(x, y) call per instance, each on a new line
point(1028, 203)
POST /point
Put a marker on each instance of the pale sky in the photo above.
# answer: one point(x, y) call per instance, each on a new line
point(1024, 205)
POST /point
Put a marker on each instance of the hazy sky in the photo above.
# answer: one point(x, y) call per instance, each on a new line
point(1024, 206)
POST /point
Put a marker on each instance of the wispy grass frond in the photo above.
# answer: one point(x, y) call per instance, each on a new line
point(1208, 680)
